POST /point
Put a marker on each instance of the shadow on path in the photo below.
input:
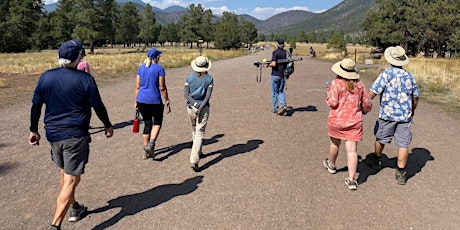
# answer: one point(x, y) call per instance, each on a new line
point(416, 161)
point(115, 126)
point(231, 151)
point(135, 203)
point(310, 108)
point(171, 150)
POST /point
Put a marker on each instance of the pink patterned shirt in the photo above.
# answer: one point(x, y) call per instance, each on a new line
point(345, 118)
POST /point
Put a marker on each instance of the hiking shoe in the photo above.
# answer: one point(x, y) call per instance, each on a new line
point(54, 227)
point(400, 176)
point(352, 184)
point(146, 154)
point(375, 162)
point(275, 111)
point(329, 167)
point(195, 167)
point(283, 111)
point(76, 211)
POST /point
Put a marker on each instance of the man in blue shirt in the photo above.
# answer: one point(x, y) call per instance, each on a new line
point(69, 95)
point(277, 79)
point(399, 95)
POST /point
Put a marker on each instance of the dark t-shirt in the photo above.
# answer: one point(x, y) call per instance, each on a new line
point(69, 95)
point(279, 68)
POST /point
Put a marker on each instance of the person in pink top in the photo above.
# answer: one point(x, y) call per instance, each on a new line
point(349, 101)
point(83, 64)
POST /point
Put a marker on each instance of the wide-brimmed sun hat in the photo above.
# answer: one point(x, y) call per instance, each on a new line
point(346, 69)
point(201, 64)
point(396, 56)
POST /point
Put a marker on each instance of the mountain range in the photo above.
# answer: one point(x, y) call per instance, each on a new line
point(346, 17)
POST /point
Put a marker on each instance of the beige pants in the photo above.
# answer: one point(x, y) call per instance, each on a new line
point(198, 130)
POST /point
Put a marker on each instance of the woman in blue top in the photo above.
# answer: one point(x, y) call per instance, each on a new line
point(197, 92)
point(150, 88)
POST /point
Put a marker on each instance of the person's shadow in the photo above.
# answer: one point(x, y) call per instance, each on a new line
point(115, 126)
point(135, 203)
point(174, 149)
point(231, 151)
point(416, 161)
point(310, 108)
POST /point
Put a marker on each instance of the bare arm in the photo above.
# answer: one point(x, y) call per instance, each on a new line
point(164, 93)
point(414, 104)
point(371, 94)
point(136, 91)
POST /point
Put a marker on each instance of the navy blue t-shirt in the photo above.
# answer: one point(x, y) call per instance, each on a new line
point(279, 68)
point(69, 95)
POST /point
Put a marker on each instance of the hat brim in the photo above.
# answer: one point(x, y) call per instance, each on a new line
point(348, 75)
point(391, 60)
point(200, 69)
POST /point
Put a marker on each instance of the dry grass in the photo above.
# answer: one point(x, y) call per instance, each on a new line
point(438, 79)
point(20, 72)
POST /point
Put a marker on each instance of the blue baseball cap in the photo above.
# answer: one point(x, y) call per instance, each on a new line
point(153, 53)
point(70, 50)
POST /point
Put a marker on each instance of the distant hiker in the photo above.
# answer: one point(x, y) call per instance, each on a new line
point(150, 89)
point(83, 64)
point(69, 95)
point(197, 91)
point(348, 100)
point(277, 79)
point(312, 52)
point(399, 95)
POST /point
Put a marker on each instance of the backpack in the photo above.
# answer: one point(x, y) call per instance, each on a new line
point(289, 69)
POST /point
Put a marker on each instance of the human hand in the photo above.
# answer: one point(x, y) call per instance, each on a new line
point(168, 107)
point(108, 132)
point(34, 138)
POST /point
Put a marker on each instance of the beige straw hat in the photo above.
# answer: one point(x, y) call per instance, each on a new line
point(346, 69)
point(396, 56)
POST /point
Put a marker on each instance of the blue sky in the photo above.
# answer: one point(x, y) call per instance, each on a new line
point(260, 9)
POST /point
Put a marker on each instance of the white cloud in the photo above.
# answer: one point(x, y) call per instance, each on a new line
point(263, 13)
point(49, 1)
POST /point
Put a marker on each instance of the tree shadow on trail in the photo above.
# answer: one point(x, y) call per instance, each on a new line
point(231, 151)
point(173, 149)
point(135, 203)
point(416, 161)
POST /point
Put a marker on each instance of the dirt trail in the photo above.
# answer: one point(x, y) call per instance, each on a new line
point(261, 171)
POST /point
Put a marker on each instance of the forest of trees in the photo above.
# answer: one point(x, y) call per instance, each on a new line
point(24, 25)
point(432, 27)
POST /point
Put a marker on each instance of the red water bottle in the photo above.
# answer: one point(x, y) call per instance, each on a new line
point(136, 122)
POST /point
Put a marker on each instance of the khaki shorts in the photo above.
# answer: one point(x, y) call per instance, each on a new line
point(384, 131)
point(71, 154)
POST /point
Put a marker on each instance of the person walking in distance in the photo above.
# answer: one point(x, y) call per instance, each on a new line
point(83, 65)
point(150, 89)
point(277, 79)
point(348, 100)
point(399, 96)
point(69, 95)
point(197, 92)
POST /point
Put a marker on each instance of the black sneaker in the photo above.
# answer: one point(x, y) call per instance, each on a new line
point(400, 176)
point(375, 162)
point(76, 212)
point(54, 227)
point(195, 167)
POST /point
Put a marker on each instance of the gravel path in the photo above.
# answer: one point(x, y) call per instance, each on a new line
point(261, 171)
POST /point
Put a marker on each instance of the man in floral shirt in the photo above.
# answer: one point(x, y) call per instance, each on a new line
point(399, 95)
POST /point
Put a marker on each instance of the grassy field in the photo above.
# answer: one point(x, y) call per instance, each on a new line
point(438, 79)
